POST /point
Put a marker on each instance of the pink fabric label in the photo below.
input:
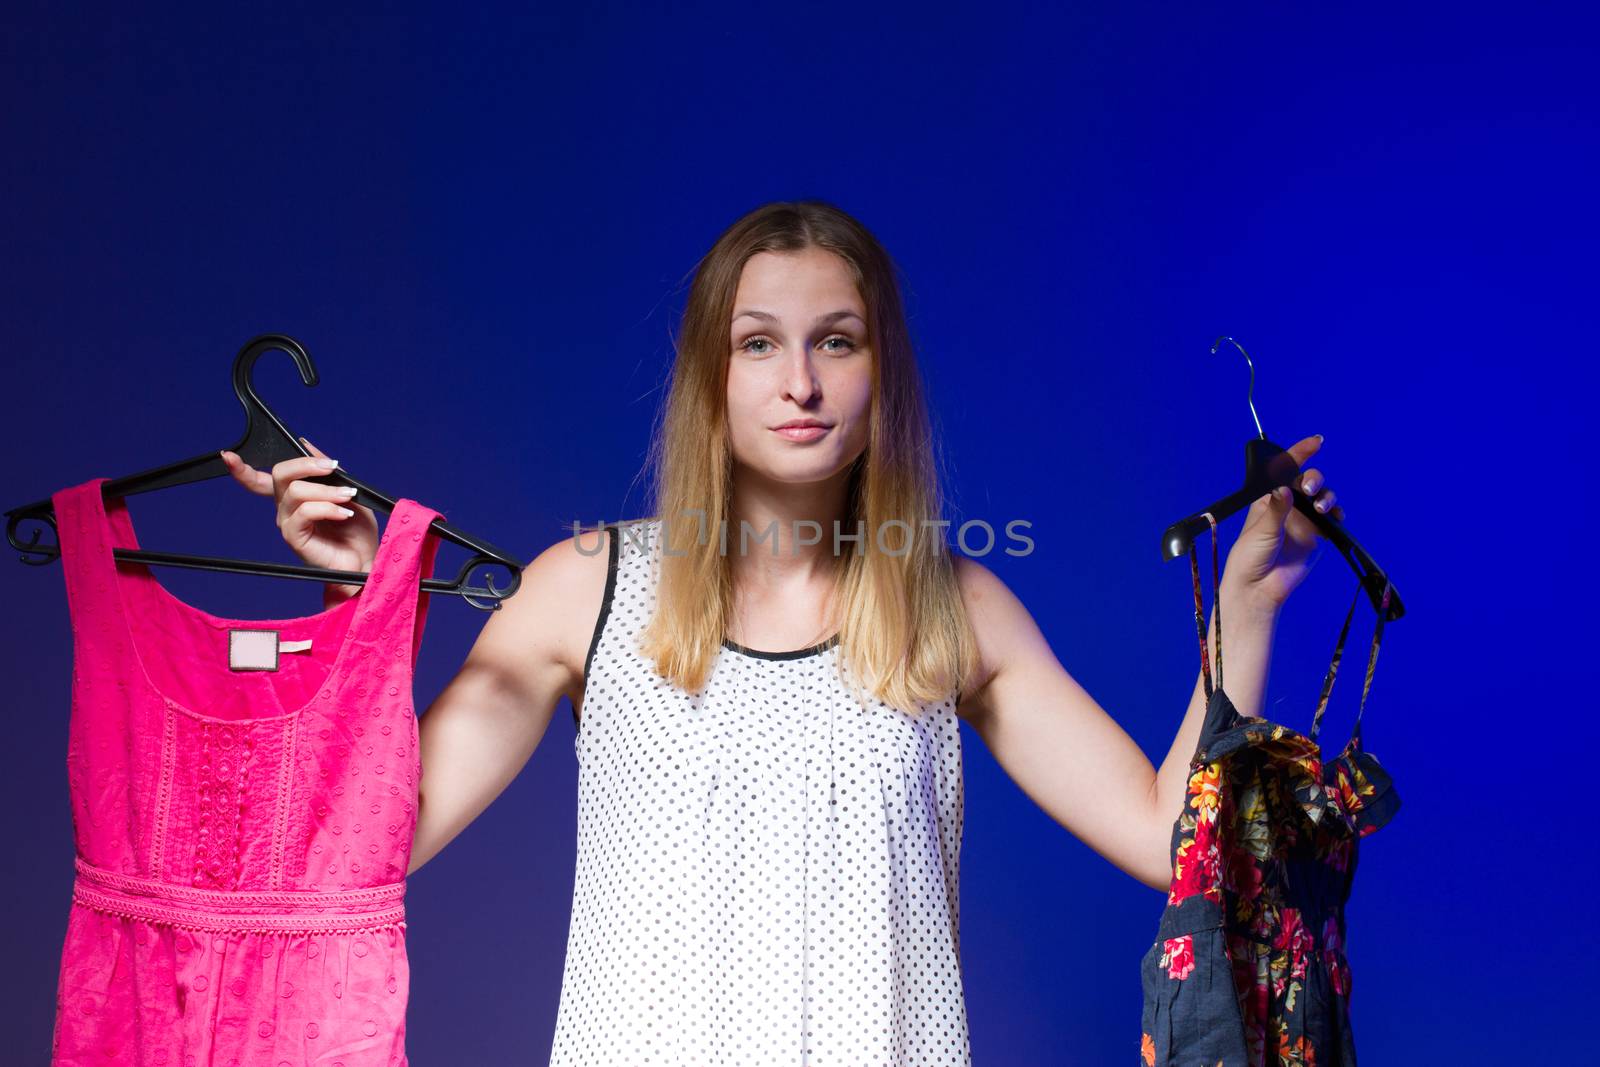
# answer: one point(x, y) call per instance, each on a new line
point(253, 650)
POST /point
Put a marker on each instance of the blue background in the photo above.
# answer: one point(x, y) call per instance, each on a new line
point(481, 227)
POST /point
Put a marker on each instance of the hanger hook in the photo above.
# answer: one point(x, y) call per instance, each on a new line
point(1250, 397)
point(259, 418)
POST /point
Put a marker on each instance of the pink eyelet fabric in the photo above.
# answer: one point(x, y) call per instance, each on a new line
point(242, 836)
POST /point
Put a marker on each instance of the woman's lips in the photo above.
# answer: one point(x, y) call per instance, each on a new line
point(802, 433)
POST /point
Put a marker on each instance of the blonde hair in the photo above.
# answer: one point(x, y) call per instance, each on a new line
point(903, 630)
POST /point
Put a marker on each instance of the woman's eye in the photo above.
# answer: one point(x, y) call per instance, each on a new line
point(839, 343)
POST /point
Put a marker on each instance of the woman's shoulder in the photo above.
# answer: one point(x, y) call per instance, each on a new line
point(573, 558)
point(1004, 628)
point(562, 591)
point(577, 570)
point(636, 536)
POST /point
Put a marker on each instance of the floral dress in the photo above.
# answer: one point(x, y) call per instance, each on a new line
point(1248, 965)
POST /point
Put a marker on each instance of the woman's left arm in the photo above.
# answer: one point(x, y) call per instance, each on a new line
point(1066, 753)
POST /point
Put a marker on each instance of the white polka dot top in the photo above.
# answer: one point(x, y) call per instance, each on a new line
point(767, 874)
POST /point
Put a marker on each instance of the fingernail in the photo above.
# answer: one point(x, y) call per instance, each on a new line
point(328, 464)
point(1319, 438)
point(348, 490)
point(347, 512)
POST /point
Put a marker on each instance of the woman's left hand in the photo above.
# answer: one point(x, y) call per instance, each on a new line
point(1273, 552)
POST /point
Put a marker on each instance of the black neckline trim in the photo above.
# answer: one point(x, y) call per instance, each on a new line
point(798, 653)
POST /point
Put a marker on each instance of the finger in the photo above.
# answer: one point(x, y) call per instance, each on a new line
point(286, 473)
point(300, 491)
point(298, 525)
point(1305, 448)
point(1277, 498)
point(317, 453)
point(1268, 510)
point(1324, 501)
point(256, 481)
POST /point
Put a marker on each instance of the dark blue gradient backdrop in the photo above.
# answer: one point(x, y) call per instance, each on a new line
point(481, 227)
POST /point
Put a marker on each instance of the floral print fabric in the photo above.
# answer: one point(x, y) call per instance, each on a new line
point(1248, 966)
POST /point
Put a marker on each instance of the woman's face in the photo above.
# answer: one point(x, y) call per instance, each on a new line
point(799, 352)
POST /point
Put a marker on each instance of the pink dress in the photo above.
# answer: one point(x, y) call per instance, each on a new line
point(242, 835)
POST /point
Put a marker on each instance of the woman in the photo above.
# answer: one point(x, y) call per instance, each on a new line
point(768, 841)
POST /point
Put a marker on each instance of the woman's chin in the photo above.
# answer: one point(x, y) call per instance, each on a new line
point(794, 469)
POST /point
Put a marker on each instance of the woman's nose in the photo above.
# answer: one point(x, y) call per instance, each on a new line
point(801, 380)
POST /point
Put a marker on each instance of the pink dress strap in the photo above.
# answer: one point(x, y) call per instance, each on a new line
point(405, 556)
point(81, 532)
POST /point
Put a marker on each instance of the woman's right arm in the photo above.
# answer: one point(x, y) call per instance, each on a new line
point(480, 731)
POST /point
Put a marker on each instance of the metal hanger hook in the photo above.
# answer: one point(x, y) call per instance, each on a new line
point(1249, 397)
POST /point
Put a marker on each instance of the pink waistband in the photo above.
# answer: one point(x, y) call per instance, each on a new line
point(226, 910)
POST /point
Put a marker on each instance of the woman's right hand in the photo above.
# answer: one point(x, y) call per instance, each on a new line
point(320, 522)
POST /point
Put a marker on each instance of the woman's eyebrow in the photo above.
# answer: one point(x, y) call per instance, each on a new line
point(834, 316)
point(822, 320)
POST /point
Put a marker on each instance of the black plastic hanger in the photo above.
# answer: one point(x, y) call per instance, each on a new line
point(266, 441)
point(1267, 466)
